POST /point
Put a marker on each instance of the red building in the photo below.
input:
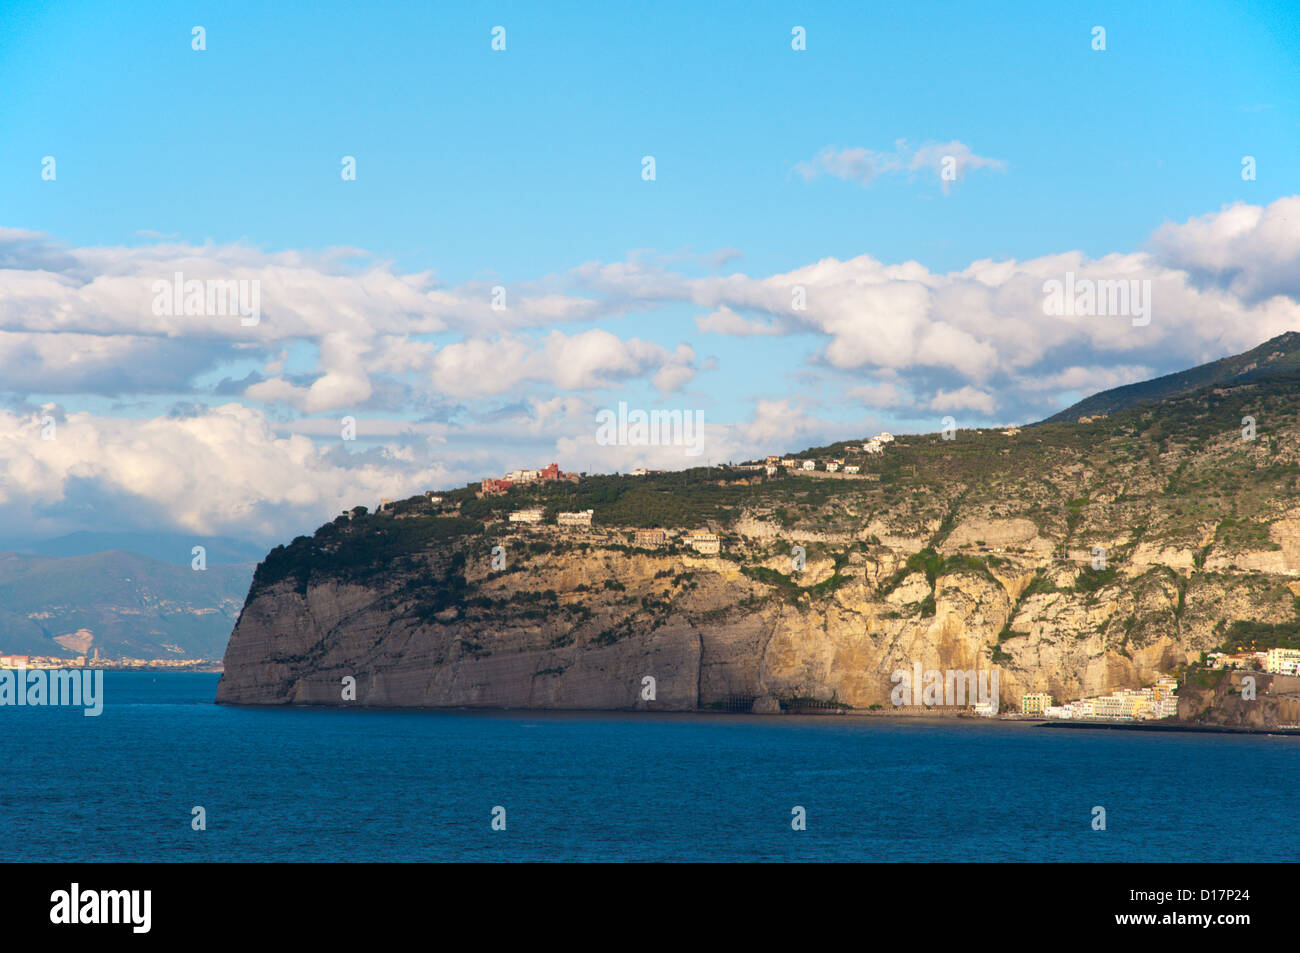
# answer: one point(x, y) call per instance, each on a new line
point(492, 486)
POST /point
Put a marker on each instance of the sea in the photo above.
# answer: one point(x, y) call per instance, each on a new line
point(305, 784)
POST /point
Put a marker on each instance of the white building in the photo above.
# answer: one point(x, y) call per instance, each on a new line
point(810, 464)
point(707, 543)
point(1281, 661)
point(581, 518)
point(873, 446)
point(832, 467)
point(531, 515)
point(851, 468)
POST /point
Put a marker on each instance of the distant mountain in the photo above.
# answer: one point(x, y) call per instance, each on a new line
point(124, 604)
point(174, 548)
point(1274, 358)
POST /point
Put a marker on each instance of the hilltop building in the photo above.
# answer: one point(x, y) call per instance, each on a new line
point(650, 538)
point(529, 515)
point(707, 543)
point(581, 519)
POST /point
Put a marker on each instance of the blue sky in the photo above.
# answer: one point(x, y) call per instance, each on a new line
point(522, 168)
point(520, 163)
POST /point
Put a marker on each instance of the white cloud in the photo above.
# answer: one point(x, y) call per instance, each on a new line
point(446, 390)
point(964, 398)
point(947, 161)
point(222, 472)
point(883, 394)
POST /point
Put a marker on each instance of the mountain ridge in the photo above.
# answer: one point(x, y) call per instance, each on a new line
point(1278, 356)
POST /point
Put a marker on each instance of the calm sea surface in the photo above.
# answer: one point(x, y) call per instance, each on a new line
point(303, 784)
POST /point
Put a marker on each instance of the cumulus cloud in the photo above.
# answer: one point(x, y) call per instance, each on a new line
point(221, 472)
point(446, 389)
point(1250, 251)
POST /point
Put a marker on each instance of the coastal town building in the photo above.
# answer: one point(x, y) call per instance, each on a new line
point(1035, 703)
point(580, 519)
point(15, 661)
point(529, 515)
point(706, 543)
point(1159, 701)
point(832, 467)
point(852, 468)
point(650, 538)
point(385, 504)
point(1253, 661)
point(810, 464)
point(492, 486)
point(873, 446)
point(1282, 661)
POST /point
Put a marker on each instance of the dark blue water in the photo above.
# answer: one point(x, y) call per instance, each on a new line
point(301, 784)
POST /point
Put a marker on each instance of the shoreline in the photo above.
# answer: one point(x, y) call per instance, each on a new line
point(892, 716)
point(1182, 727)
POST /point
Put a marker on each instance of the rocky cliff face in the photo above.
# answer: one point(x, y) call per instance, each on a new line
point(1240, 700)
point(582, 626)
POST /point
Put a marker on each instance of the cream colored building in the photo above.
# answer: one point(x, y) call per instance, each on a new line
point(1035, 703)
point(707, 543)
point(581, 519)
point(1281, 661)
point(650, 538)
